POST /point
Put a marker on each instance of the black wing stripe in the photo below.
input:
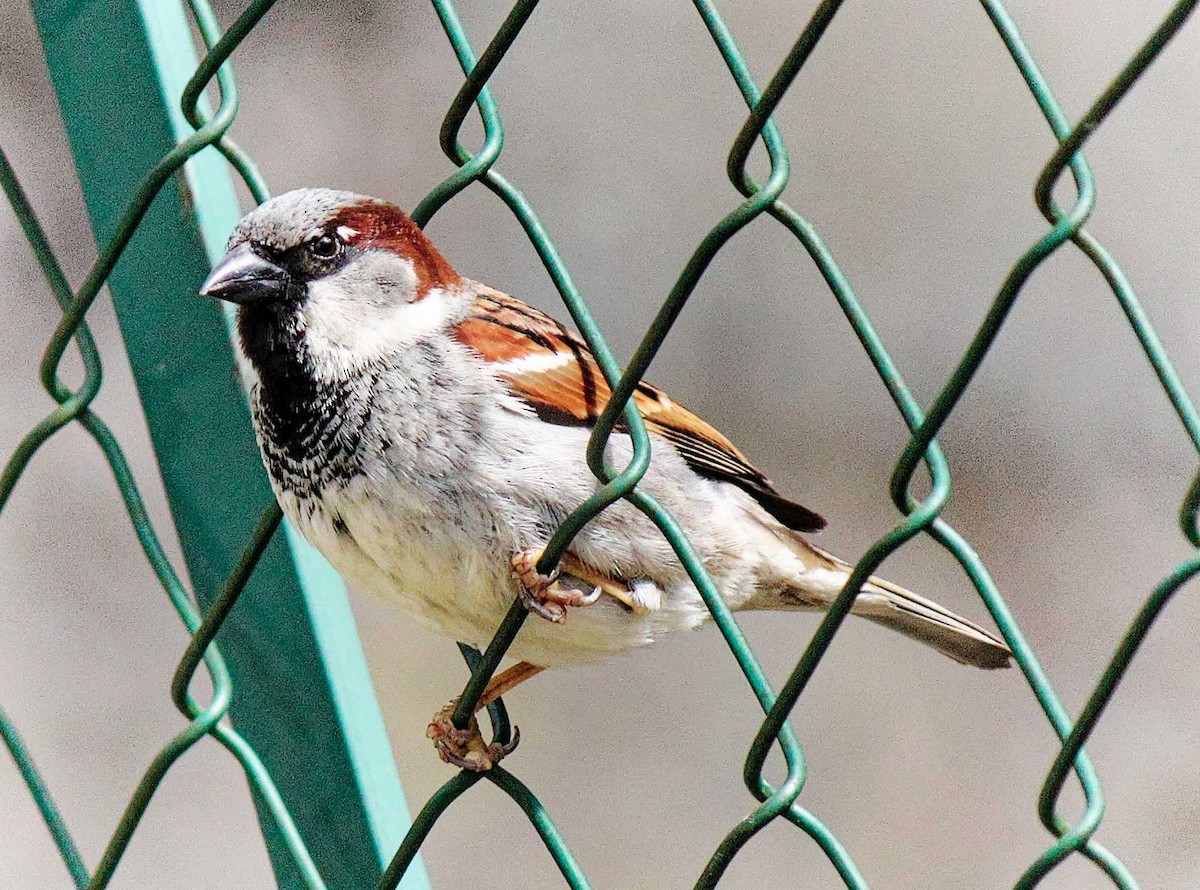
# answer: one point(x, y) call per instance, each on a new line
point(698, 450)
point(715, 463)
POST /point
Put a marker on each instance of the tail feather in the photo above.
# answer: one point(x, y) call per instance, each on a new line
point(812, 577)
point(924, 620)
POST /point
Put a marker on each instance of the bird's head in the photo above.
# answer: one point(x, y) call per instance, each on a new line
point(346, 273)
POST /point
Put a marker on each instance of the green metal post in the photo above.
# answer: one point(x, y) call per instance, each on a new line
point(303, 697)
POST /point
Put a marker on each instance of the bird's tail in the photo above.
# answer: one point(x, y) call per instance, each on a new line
point(815, 586)
point(914, 616)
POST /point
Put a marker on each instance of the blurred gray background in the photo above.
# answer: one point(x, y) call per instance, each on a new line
point(914, 149)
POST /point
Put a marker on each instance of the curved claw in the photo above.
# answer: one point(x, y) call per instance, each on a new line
point(543, 607)
point(465, 748)
point(542, 594)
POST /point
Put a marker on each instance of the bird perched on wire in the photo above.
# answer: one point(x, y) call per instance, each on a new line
point(427, 434)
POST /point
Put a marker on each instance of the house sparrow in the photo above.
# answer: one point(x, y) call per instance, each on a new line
point(427, 433)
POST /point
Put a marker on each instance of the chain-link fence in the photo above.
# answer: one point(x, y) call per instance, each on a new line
point(922, 515)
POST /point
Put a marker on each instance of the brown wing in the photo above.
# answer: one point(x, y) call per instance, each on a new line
point(553, 371)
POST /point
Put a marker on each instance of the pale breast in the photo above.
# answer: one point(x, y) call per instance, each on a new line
point(447, 486)
point(423, 565)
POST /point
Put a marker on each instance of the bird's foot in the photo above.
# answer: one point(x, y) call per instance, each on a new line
point(465, 747)
point(543, 594)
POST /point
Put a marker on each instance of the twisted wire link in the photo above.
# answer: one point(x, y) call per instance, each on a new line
point(924, 429)
point(1071, 140)
point(479, 166)
point(74, 406)
point(920, 515)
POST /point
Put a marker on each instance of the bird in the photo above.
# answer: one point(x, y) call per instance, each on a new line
point(427, 434)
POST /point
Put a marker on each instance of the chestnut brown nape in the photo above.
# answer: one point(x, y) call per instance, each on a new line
point(378, 224)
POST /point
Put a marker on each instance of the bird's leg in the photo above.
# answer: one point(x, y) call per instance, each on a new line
point(465, 747)
point(542, 594)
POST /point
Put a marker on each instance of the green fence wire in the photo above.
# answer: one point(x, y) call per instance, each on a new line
point(1065, 224)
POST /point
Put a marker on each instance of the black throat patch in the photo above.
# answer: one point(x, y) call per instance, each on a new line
point(310, 426)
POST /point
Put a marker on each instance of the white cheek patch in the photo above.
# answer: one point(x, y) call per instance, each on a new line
point(368, 310)
point(407, 323)
point(372, 282)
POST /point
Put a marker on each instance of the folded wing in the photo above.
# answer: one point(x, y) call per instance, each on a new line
point(555, 373)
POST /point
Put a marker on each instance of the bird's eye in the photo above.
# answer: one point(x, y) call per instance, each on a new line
point(325, 247)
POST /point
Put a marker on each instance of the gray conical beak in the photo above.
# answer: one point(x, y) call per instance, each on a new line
point(245, 277)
